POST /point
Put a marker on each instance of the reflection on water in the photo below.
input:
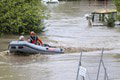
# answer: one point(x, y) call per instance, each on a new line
point(66, 27)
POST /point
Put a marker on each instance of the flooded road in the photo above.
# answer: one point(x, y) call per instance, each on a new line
point(67, 28)
point(57, 67)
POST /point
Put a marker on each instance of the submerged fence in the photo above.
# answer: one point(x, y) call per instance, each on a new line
point(82, 71)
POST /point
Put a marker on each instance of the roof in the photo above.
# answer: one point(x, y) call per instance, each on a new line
point(104, 11)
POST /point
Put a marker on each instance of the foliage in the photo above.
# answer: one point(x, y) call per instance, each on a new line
point(110, 21)
point(118, 17)
point(117, 4)
point(17, 16)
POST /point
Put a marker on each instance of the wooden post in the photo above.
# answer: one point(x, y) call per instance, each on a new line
point(93, 15)
point(103, 17)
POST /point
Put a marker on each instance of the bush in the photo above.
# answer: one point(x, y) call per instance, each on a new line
point(17, 16)
point(110, 21)
point(117, 4)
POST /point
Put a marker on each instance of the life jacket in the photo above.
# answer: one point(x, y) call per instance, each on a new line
point(33, 39)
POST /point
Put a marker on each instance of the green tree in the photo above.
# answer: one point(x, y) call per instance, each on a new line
point(17, 16)
point(117, 4)
point(110, 21)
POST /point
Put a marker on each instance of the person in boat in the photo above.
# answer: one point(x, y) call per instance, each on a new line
point(21, 38)
point(34, 39)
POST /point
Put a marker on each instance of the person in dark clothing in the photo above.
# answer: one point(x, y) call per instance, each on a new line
point(33, 38)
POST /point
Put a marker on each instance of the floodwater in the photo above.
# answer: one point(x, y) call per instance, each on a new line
point(57, 67)
point(67, 28)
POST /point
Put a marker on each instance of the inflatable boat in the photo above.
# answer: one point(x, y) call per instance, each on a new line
point(26, 47)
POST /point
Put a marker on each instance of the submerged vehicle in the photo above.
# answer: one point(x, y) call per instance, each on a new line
point(26, 47)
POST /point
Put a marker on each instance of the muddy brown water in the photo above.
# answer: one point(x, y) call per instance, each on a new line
point(57, 67)
point(66, 28)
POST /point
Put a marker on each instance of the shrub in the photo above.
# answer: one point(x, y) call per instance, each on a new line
point(17, 16)
point(110, 21)
point(117, 4)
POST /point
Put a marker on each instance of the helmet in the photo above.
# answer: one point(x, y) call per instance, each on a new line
point(32, 32)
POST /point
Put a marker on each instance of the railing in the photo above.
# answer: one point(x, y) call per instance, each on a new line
point(101, 63)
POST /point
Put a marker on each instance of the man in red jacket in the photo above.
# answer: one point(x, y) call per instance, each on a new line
point(33, 38)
